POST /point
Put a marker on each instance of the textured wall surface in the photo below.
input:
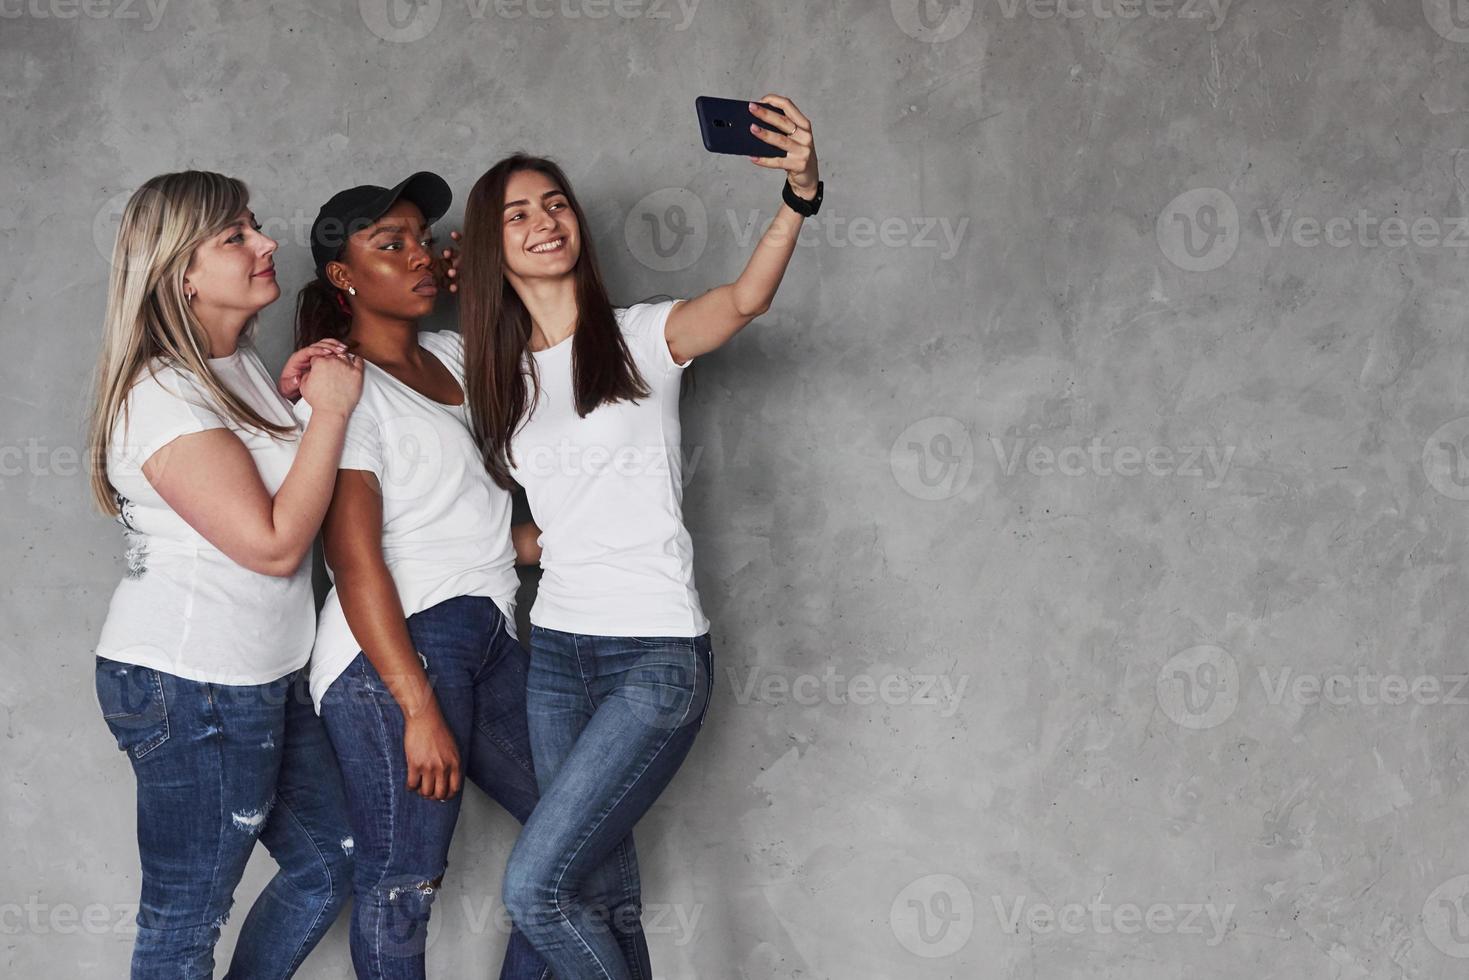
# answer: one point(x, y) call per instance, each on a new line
point(1084, 529)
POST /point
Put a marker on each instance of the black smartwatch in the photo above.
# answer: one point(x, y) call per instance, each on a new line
point(798, 203)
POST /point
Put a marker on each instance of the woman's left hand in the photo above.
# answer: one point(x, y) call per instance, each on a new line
point(446, 268)
point(792, 133)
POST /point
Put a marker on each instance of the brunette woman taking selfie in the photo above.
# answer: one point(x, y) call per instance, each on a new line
point(577, 401)
point(220, 493)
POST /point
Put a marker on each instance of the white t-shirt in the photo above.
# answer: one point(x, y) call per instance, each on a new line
point(446, 525)
point(607, 492)
point(184, 607)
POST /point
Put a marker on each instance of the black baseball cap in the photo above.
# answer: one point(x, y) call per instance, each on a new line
point(352, 210)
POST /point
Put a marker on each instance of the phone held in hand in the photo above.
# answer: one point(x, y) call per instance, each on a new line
point(725, 126)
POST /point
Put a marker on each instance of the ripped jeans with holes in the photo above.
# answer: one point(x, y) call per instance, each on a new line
point(219, 767)
point(478, 673)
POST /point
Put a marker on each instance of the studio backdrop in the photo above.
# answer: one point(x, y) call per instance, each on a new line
point(1084, 529)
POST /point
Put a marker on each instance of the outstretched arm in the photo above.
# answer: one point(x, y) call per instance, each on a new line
point(707, 322)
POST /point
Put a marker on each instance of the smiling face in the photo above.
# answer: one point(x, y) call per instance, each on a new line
point(232, 273)
point(391, 265)
point(540, 233)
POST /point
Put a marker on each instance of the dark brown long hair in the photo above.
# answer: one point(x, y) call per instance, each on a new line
point(497, 327)
point(321, 314)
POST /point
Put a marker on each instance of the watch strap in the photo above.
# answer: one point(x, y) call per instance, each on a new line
point(799, 204)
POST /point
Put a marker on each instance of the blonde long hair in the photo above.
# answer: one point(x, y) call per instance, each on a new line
point(148, 314)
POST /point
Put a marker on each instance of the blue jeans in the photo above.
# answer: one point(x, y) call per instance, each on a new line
point(218, 767)
point(478, 676)
point(611, 719)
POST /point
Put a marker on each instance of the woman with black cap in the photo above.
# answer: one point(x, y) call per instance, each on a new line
point(416, 670)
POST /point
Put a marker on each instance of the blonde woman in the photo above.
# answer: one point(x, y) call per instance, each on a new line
point(220, 493)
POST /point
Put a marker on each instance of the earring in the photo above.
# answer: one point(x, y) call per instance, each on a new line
point(188, 297)
point(351, 290)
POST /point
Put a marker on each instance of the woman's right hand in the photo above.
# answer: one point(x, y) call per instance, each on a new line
point(334, 383)
point(433, 758)
point(298, 365)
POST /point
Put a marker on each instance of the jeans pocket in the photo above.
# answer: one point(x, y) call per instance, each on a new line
point(660, 641)
point(132, 702)
point(668, 682)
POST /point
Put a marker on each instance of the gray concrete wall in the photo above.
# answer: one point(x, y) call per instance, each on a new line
point(1084, 530)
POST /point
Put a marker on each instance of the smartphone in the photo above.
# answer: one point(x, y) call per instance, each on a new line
point(725, 126)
